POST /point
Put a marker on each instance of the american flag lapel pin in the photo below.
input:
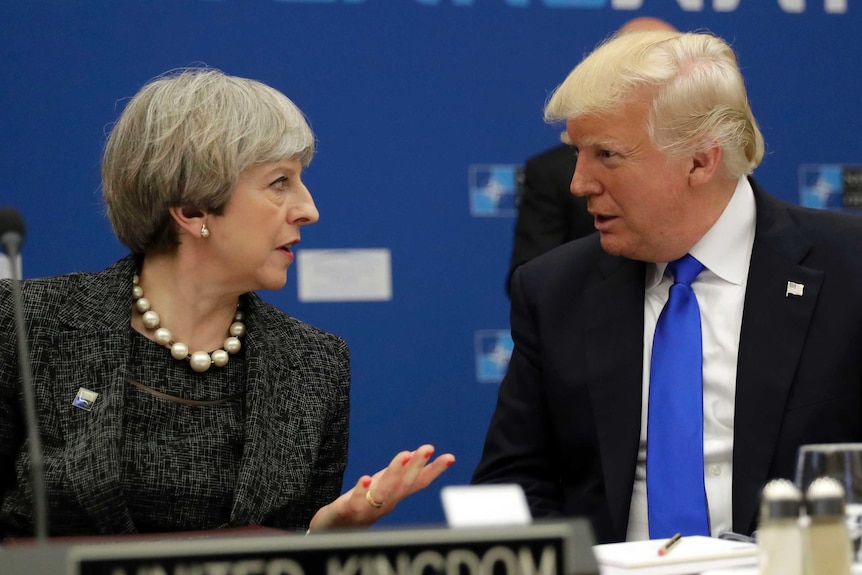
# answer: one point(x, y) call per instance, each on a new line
point(85, 399)
point(794, 288)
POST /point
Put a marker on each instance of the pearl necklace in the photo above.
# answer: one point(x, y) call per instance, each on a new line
point(200, 361)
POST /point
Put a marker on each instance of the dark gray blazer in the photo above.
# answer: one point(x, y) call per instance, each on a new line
point(297, 400)
point(568, 418)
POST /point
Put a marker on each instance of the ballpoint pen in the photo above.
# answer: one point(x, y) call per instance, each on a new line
point(670, 544)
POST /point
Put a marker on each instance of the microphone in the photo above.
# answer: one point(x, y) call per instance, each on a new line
point(12, 238)
point(11, 231)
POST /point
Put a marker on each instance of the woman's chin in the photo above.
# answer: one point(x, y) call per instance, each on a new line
point(274, 282)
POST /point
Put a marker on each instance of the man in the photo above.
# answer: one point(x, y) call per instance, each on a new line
point(548, 215)
point(666, 142)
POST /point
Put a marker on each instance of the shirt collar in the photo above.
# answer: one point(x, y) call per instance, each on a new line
point(726, 247)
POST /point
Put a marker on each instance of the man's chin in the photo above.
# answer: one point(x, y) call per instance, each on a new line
point(614, 246)
point(611, 245)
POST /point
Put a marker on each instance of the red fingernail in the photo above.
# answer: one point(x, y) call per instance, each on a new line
point(406, 459)
point(449, 463)
point(366, 483)
point(427, 455)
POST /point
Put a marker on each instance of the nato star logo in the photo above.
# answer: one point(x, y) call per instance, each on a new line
point(821, 186)
point(493, 351)
point(492, 190)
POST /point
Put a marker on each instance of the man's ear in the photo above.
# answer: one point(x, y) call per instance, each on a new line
point(189, 220)
point(705, 166)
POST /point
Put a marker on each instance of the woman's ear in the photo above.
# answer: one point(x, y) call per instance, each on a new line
point(191, 221)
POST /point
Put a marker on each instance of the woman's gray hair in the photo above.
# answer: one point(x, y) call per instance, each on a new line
point(183, 140)
point(692, 81)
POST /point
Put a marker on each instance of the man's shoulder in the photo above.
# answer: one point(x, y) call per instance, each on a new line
point(571, 277)
point(568, 263)
point(830, 222)
point(817, 225)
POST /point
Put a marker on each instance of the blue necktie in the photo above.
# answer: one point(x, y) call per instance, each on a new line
point(676, 496)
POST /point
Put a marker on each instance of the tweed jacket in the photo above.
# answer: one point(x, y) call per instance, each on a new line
point(297, 401)
point(567, 424)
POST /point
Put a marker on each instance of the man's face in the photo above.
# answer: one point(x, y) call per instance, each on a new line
point(640, 199)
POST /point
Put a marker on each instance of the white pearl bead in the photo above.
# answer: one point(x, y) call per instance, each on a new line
point(232, 345)
point(179, 350)
point(150, 319)
point(163, 336)
point(237, 329)
point(220, 357)
point(200, 361)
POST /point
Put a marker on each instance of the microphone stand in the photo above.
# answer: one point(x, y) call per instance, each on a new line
point(12, 242)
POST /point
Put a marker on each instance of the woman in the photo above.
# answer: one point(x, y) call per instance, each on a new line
point(170, 396)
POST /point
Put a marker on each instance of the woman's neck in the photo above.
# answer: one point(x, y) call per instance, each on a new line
point(195, 310)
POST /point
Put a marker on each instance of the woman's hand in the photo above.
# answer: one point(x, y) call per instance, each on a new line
point(373, 497)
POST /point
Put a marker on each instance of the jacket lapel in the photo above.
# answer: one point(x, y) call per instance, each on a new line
point(614, 330)
point(94, 344)
point(774, 324)
point(275, 403)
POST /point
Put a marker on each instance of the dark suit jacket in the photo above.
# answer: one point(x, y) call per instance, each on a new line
point(296, 427)
point(568, 418)
point(548, 214)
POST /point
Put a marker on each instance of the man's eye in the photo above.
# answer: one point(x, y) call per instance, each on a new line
point(607, 153)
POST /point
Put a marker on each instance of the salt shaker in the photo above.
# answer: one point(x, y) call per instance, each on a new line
point(828, 539)
point(779, 535)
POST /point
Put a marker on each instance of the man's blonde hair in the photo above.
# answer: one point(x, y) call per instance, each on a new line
point(692, 82)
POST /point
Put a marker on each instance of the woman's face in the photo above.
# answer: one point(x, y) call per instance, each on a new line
point(254, 235)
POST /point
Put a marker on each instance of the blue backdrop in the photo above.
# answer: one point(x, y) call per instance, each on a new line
point(413, 102)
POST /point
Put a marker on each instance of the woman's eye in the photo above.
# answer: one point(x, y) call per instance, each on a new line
point(279, 183)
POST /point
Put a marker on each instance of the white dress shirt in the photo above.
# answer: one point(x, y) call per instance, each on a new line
point(725, 250)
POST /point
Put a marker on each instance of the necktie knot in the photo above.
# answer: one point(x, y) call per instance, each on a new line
point(685, 269)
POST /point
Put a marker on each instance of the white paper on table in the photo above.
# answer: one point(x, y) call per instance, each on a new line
point(693, 554)
point(485, 505)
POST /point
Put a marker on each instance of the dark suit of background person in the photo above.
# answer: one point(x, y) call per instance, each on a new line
point(799, 376)
point(548, 214)
point(80, 324)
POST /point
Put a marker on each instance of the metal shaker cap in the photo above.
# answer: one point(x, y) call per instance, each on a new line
point(780, 499)
point(825, 497)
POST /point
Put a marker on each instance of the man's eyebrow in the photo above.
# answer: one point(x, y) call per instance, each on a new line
point(589, 142)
